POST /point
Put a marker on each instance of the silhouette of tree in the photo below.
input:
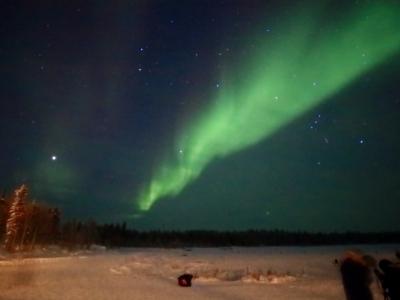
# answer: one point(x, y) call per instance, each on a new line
point(15, 226)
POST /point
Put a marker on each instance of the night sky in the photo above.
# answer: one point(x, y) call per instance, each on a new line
point(205, 114)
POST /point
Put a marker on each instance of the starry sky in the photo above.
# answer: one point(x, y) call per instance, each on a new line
point(224, 115)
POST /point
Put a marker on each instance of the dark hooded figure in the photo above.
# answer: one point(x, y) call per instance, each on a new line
point(185, 280)
point(356, 277)
point(390, 279)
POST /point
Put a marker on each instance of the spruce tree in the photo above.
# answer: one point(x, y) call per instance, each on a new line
point(16, 219)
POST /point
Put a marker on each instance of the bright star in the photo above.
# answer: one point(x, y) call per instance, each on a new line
point(54, 157)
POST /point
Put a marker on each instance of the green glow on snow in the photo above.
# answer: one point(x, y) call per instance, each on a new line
point(293, 73)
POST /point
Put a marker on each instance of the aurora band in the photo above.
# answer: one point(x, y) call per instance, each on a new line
point(290, 75)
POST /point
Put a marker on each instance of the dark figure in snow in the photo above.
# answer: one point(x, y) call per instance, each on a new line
point(389, 278)
point(356, 277)
point(185, 280)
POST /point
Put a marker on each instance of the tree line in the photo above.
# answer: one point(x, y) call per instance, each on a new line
point(118, 235)
point(26, 224)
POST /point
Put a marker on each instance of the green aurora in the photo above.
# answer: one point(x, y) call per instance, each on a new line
point(287, 78)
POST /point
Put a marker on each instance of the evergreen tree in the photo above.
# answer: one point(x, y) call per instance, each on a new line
point(16, 219)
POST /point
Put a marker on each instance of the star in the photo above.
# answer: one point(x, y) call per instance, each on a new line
point(53, 157)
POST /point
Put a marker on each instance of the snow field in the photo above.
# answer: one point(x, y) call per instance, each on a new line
point(219, 273)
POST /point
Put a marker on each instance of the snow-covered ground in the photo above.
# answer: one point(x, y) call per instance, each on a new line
point(220, 273)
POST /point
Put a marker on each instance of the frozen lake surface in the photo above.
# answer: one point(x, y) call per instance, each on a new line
point(142, 273)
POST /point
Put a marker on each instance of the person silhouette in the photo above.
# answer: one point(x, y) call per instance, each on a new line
point(389, 277)
point(356, 277)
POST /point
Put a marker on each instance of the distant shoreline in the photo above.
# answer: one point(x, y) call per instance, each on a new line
point(111, 235)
